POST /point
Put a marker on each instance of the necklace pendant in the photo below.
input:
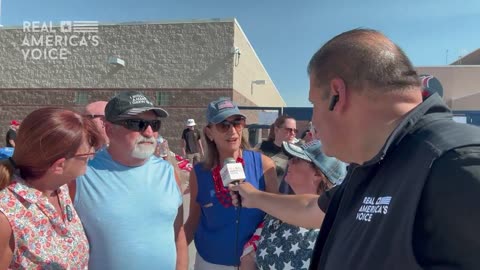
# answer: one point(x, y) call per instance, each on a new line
point(68, 209)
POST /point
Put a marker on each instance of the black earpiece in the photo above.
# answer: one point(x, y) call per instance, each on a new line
point(333, 102)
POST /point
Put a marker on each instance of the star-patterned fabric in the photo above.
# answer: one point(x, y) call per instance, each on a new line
point(283, 246)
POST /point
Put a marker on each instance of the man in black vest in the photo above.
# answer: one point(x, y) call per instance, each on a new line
point(411, 196)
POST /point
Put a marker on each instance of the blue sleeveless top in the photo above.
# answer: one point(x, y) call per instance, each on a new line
point(128, 213)
point(216, 231)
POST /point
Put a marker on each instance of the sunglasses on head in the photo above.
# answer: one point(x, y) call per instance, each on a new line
point(224, 126)
point(139, 125)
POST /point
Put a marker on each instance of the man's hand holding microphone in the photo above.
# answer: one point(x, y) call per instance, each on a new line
point(244, 194)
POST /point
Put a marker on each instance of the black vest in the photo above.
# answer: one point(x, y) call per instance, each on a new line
point(370, 219)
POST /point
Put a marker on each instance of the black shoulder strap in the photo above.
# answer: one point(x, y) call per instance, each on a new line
point(443, 134)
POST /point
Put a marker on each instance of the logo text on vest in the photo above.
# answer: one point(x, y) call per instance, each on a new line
point(371, 206)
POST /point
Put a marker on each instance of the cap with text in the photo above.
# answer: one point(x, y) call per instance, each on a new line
point(128, 104)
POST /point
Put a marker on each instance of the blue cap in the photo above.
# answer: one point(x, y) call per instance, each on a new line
point(334, 169)
point(221, 109)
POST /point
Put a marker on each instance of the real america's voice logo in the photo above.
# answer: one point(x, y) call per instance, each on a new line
point(45, 40)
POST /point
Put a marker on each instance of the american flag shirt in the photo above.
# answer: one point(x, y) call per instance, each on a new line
point(283, 246)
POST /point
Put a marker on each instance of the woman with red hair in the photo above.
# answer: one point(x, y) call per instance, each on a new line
point(38, 226)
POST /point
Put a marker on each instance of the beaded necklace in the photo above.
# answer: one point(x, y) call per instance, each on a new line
point(222, 193)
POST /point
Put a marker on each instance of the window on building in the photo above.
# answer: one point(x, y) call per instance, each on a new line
point(162, 98)
point(81, 98)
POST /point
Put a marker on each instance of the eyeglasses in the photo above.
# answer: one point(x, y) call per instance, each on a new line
point(290, 130)
point(139, 125)
point(93, 116)
point(88, 155)
point(225, 125)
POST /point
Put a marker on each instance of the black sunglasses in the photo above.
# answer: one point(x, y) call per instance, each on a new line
point(139, 125)
point(225, 125)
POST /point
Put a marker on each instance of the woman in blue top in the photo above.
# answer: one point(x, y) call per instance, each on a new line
point(219, 229)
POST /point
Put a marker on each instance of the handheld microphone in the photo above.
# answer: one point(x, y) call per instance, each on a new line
point(232, 173)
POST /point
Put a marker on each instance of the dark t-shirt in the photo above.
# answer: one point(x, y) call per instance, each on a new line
point(270, 149)
point(191, 138)
point(11, 135)
point(450, 196)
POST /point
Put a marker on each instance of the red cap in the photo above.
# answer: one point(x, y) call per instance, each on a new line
point(15, 123)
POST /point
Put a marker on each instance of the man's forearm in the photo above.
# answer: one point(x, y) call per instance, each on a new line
point(298, 210)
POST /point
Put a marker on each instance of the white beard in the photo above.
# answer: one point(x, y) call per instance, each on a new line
point(144, 151)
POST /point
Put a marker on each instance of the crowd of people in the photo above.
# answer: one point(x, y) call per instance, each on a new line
point(382, 178)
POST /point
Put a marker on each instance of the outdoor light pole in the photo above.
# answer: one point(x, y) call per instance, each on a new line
point(1, 13)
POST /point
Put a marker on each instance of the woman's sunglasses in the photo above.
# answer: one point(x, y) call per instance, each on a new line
point(139, 125)
point(225, 125)
point(290, 130)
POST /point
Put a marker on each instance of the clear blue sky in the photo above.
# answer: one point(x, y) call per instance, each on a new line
point(285, 34)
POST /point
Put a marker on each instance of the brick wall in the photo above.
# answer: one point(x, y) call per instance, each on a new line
point(162, 55)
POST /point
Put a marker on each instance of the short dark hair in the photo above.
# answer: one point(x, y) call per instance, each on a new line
point(364, 58)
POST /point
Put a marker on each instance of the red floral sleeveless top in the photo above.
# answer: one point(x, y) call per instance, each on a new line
point(44, 239)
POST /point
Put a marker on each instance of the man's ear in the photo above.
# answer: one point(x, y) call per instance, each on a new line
point(58, 166)
point(338, 91)
point(109, 128)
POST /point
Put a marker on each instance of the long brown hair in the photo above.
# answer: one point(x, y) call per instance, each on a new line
point(278, 123)
point(212, 156)
point(45, 136)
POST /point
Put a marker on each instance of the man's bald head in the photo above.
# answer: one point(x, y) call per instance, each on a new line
point(96, 111)
point(96, 108)
point(364, 59)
